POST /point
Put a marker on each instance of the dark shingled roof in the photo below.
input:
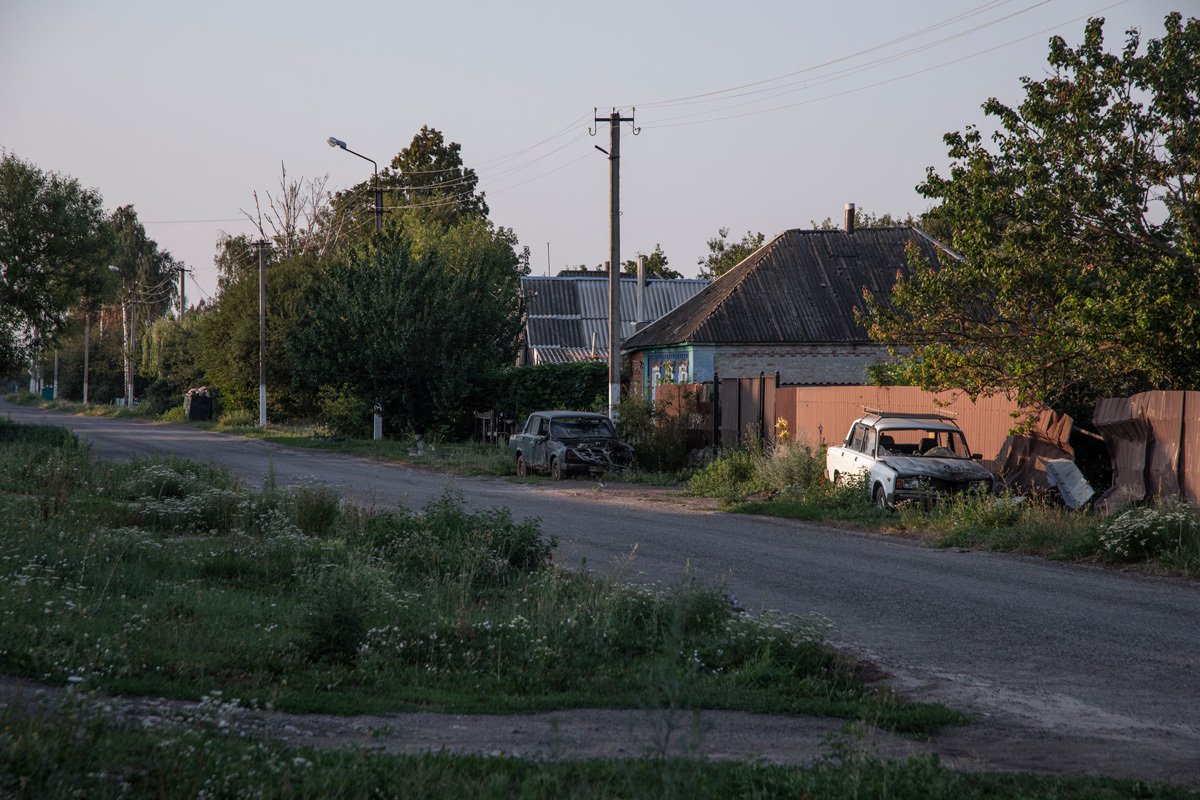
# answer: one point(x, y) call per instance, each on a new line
point(802, 286)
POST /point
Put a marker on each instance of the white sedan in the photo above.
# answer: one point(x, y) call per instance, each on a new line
point(901, 456)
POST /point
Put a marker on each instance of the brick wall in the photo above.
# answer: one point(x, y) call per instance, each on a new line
point(805, 364)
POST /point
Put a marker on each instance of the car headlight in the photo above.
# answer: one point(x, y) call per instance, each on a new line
point(912, 482)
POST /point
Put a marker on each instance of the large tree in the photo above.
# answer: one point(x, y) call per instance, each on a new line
point(724, 255)
point(428, 178)
point(1076, 231)
point(413, 321)
point(54, 249)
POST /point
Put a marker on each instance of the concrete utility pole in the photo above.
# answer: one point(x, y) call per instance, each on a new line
point(182, 301)
point(87, 341)
point(262, 333)
point(614, 121)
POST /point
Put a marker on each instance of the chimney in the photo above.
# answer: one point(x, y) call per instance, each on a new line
point(849, 217)
point(641, 291)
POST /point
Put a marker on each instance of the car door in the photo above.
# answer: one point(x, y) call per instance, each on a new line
point(539, 448)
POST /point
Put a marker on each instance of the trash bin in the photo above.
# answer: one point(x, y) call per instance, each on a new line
point(197, 407)
point(47, 392)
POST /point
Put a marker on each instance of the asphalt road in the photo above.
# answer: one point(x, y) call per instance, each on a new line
point(1057, 658)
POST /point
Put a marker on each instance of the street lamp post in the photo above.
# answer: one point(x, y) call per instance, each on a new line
point(333, 141)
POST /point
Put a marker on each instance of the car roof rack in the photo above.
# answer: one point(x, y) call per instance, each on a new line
point(875, 412)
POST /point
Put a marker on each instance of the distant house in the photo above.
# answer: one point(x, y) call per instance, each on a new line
point(789, 307)
point(567, 316)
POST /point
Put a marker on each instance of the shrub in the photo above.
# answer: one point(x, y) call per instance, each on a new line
point(1145, 532)
point(344, 413)
point(791, 469)
point(730, 476)
point(659, 438)
point(338, 599)
point(316, 509)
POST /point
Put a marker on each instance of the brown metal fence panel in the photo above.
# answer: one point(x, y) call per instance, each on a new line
point(730, 398)
point(818, 415)
point(1189, 449)
point(1164, 411)
point(769, 394)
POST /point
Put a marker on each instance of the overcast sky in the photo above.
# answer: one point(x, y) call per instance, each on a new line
point(785, 112)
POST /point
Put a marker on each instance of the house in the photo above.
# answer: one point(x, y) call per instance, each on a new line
point(788, 308)
point(567, 315)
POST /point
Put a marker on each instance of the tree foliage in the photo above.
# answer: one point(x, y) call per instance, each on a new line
point(414, 320)
point(724, 255)
point(866, 219)
point(1077, 228)
point(54, 247)
point(656, 265)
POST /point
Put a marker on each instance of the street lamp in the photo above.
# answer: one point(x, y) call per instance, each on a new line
point(333, 141)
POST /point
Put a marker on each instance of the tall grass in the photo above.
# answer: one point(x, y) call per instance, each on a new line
point(165, 577)
point(79, 751)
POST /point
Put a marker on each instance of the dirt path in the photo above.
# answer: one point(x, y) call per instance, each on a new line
point(985, 745)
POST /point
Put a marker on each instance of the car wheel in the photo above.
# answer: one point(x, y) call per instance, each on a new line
point(556, 472)
point(880, 497)
point(522, 467)
point(838, 480)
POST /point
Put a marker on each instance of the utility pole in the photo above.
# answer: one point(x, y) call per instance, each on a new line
point(614, 121)
point(87, 337)
point(262, 333)
point(182, 302)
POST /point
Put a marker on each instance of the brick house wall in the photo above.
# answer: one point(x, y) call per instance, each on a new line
point(839, 364)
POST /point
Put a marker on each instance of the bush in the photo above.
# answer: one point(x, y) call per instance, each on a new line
point(338, 601)
point(659, 438)
point(344, 413)
point(1143, 533)
point(316, 509)
point(791, 469)
point(730, 476)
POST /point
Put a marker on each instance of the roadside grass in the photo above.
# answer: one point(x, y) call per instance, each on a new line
point(789, 482)
point(79, 752)
point(168, 578)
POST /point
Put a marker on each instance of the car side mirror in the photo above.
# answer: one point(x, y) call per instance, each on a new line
point(977, 456)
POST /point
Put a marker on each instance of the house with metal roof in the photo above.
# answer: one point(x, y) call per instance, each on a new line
point(566, 317)
point(788, 308)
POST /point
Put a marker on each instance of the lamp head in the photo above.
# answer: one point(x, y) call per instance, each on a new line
point(336, 142)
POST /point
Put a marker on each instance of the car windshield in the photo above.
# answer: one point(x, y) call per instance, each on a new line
point(581, 427)
point(922, 442)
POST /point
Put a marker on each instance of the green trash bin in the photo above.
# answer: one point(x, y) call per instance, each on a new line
point(197, 407)
point(47, 392)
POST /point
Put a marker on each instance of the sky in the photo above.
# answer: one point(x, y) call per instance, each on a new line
point(754, 116)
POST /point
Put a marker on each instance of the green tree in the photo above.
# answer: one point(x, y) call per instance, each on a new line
point(413, 321)
point(54, 248)
point(226, 336)
point(724, 255)
point(426, 181)
point(1077, 229)
point(428, 178)
point(656, 265)
point(866, 219)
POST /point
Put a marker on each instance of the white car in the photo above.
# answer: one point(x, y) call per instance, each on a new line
point(902, 456)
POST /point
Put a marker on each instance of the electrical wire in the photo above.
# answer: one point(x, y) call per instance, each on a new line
point(671, 122)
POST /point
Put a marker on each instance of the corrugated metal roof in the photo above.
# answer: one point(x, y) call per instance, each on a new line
point(562, 355)
point(565, 312)
point(802, 286)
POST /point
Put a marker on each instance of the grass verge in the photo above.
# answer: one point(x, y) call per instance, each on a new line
point(168, 578)
point(79, 752)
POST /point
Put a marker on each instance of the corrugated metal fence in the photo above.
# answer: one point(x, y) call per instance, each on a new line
point(817, 415)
